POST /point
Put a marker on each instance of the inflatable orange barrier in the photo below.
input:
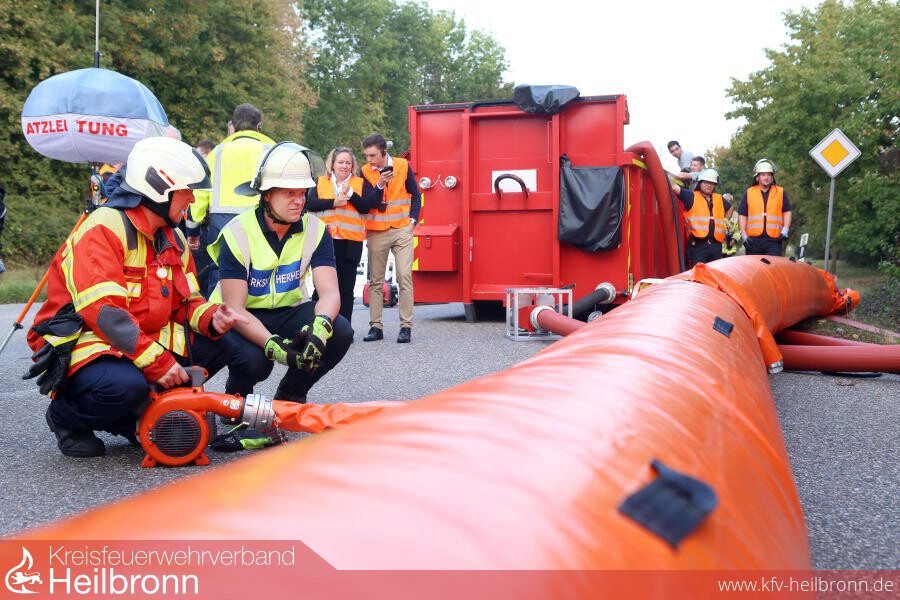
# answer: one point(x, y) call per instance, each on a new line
point(647, 439)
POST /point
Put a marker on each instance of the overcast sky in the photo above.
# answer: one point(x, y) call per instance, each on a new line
point(672, 60)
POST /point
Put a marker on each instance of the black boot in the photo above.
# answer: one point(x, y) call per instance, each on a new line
point(283, 393)
point(374, 334)
point(74, 442)
point(405, 335)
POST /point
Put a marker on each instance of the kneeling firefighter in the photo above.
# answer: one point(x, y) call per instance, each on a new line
point(123, 307)
point(264, 256)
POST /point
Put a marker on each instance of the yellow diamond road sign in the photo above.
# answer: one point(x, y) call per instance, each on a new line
point(834, 153)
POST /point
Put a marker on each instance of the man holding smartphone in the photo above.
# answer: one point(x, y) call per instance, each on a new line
point(395, 200)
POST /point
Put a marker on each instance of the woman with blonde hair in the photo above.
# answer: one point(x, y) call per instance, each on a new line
point(337, 200)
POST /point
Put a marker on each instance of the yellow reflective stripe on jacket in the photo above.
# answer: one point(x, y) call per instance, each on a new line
point(198, 314)
point(95, 292)
point(148, 356)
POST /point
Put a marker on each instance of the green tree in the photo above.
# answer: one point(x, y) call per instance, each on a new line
point(199, 58)
point(375, 58)
point(840, 70)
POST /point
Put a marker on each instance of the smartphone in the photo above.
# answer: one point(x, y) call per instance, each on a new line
point(387, 169)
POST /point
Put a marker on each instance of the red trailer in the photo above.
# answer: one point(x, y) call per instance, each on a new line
point(491, 177)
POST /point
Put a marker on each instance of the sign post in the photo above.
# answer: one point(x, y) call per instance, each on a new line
point(834, 153)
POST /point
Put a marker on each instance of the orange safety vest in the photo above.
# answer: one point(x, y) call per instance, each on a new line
point(768, 216)
point(698, 217)
point(395, 195)
point(344, 221)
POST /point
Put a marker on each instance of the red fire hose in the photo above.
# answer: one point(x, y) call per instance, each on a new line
point(863, 358)
point(672, 242)
point(802, 338)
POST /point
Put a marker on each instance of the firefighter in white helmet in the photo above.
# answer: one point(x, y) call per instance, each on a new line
point(764, 214)
point(264, 256)
point(705, 214)
point(122, 288)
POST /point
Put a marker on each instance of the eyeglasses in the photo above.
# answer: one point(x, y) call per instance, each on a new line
point(343, 149)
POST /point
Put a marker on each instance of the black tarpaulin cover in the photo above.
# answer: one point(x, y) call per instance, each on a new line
point(591, 205)
point(544, 99)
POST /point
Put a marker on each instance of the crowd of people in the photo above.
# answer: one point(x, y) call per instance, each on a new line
point(127, 308)
point(762, 221)
point(200, 255)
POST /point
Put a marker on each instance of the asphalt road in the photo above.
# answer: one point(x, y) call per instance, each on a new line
point(842, 434)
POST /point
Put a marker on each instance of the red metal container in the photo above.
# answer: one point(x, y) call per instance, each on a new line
point(478, 240)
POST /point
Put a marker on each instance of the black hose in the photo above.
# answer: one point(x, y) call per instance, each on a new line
point(679, 233)
point(599, 296)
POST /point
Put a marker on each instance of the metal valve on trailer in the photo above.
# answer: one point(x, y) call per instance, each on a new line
point(174, 428)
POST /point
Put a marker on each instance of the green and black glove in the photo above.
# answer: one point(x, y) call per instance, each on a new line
point(311, 340)
point(283, 351)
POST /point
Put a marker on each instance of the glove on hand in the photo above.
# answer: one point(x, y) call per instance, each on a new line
point(311, 340)
point(784, 232)
point(744, 237)
point(61, 333)
point(281, 350)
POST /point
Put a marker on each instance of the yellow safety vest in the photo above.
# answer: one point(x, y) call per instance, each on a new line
point(272, 281)
point(344, 221)
point(231, 163)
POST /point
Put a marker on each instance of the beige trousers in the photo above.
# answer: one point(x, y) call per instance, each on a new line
point(400, 242)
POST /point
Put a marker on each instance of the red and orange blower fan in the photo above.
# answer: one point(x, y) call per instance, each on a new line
point(174, 428)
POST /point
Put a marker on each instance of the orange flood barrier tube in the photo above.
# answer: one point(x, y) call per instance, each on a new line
point(529, 468)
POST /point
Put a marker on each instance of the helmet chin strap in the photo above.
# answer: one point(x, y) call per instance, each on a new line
point(268, 210)
point(160, 210)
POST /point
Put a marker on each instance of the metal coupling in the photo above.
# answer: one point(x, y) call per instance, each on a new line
point(257, 412)
point(775, 367)
point(610, 290)
point(534, 315)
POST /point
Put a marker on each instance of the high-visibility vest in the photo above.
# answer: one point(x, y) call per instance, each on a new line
point(231, 163)
point(698, 217)
point(395, 195)
point(344, 221)
point(273, 281)
point(151, 292)
point(768, 214)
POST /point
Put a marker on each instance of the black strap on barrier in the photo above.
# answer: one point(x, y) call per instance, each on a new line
point(723, 326)
point(672, 506)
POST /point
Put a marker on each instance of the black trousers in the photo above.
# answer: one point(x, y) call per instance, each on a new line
point(763, 244)
point(107, 393)
point(704, 251)
point(249, 364)
point(347, 254)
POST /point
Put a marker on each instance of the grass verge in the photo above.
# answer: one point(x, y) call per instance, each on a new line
point(18, 283)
